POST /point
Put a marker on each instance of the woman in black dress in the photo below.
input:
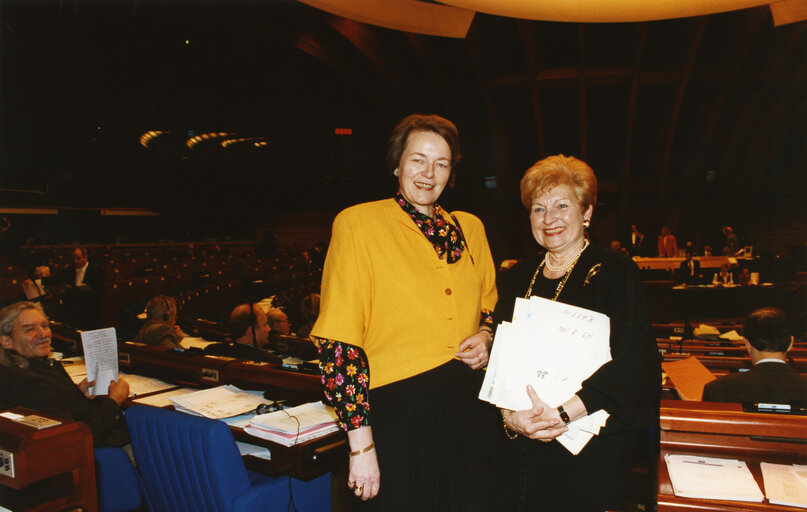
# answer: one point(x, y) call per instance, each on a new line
point(539, 473)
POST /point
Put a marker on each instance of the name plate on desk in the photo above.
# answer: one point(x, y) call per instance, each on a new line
point(38, 422)
point(210, 375)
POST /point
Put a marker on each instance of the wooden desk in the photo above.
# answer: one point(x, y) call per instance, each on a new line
point(185, 368)
point(675, 262)
point(732, 363)
point(54, 468)
point(304, 461)
point(280, 384)
point(725, 431)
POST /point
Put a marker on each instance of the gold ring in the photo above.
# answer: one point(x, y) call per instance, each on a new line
point(351, 484)
point(360, 489)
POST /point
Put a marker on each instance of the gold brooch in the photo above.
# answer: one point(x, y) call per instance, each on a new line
point(593, 271)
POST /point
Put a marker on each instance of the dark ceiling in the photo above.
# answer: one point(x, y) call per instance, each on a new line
point(691, 122)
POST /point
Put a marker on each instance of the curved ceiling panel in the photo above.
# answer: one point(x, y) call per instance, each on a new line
point(597, 11)
point(404, 15)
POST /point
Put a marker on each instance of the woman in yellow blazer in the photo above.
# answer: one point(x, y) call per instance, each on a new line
point(404, 330)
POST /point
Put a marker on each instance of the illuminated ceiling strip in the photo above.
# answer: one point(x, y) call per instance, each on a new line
point(129, 212)
point(29, 211)
point(597, 11)
point(404, 15)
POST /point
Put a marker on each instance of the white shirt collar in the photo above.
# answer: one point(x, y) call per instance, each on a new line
point(770, 360)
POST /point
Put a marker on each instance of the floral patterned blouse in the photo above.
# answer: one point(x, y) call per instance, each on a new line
point(344, 369)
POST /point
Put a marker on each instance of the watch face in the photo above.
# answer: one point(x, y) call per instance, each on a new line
point(564, 416)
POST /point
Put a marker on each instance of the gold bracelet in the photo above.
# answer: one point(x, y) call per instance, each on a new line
point(506, 414)
point(489, 332)
point(363, 450)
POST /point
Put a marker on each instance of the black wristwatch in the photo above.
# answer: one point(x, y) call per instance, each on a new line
point(564, 415)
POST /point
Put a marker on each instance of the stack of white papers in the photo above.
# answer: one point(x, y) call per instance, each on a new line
point(294, 425)
point(163, 399)
point(785, 484)
point(218, 403)
point(553, 347)
point(711, 478)
point(140, 385)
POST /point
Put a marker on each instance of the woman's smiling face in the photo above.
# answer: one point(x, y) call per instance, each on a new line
point(424, 170)
point(557, 220)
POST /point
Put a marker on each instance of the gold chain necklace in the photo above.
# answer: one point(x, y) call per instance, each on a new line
point(562, 282)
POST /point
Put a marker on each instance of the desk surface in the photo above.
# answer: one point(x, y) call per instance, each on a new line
point(725, 431)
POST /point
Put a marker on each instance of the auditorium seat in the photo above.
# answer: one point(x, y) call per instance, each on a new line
point(192, 463)
point(116, 482)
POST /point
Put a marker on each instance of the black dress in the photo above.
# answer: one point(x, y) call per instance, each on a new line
point(546, 476)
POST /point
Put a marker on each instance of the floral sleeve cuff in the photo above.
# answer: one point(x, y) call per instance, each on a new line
point(486, 319)
point(345, 375)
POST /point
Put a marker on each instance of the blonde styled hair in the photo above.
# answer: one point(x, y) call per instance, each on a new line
point(557, 170)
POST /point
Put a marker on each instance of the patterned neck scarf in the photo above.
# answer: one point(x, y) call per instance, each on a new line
point(444, 236)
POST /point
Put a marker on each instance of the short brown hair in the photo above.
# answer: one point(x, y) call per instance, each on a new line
point(422, 123)
point(768, 330)
point(558, 170)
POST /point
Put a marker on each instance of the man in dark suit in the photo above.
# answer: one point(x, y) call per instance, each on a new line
point(689, 272)
point(635, 243)
point(83, 287)
point(771, 380)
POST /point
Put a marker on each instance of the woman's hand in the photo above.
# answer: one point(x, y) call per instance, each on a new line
point(540, 422)
point(364, 476)
point(475, 350)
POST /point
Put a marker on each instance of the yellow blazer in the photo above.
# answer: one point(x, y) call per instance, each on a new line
point(385, 289)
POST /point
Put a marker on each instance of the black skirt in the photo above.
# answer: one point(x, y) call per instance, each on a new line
point(435, 442)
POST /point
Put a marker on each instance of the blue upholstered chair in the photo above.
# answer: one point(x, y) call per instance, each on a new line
point(188, 463)
point(116, 481)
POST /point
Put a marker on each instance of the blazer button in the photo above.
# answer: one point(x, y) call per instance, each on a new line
point(448, 291)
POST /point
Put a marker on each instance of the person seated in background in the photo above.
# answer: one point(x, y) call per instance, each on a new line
point(689, 272)
point(34, 288)
point(707, 250)
point(29, 379)
point(160, 327)
point(768, 338)
point(240, 326)
point(723, 276)
point(279, 322)
point(744, 277)
point(309, 311)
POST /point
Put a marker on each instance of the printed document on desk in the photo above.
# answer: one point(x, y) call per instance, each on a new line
point(218, 403)
point(785, 484)
point(294, 425)
point(712, 478)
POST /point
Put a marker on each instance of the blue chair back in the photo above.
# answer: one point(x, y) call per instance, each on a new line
point(118, 489)
point(186, 463)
